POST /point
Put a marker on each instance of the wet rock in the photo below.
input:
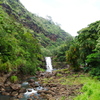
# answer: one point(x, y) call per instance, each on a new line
point(49, 97)
point(29, 99)
point(2, 79)
point(1, 85)
point(43, 94)
point(8, 84)
point(35, 97)
point(22, 90)
point(5, 93)
point(41, 74)
point(14, 94)
point(8, 89)
point(48, 75)
point(54, 73)
point(53, 88)
point(15, 86)
point(29, 90)
point(41, 91)
point(2, 89)
point(32, 95)
point(31, 81)
point(13, 98)
point(20, 95)
point(32, 84)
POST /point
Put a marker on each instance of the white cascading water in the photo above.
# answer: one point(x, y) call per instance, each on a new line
point(48, 64)
point(49, 69)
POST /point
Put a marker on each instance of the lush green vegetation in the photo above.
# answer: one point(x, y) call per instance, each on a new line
point(84, 51)
point(25, 38)
point(90, 90)
point(48, 33)
point(14, 78)
point(19, 50)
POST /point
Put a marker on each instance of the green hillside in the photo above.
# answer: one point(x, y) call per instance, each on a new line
point(25, 38)
point(46, 31)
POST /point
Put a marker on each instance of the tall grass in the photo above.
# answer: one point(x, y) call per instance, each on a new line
point(90, 90)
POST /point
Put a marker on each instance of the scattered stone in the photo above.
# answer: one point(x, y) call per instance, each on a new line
point(31, 81)
point(8, 89)
point(1, 85)
point(32, 95)
point(29, 90)
point(35, 97)
point(22, 90)
point(20, 95)
point(32, 84)
point(5, 93)
point(8, 84)
point(15, 86)
point(29, 99)
point(14, 94)
point(41, 91)
point(2, 89)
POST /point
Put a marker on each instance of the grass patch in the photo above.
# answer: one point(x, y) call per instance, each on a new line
point(63, 98)
point(58, 74)
point(47, 80)
point(90, 90)
point(63, 70)
point(14, 78)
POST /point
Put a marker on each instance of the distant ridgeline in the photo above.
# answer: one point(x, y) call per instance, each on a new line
point(22, 35)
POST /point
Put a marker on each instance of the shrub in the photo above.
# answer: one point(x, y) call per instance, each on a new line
point(14, 78)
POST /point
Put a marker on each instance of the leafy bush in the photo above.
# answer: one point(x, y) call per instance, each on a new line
point(40, 69)
point(14, 79)
point(18, 48)
point(95, 71)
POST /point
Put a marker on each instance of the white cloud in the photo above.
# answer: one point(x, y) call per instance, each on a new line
point(71, 14)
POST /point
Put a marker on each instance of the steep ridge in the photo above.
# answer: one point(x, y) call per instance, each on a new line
point(46, 31)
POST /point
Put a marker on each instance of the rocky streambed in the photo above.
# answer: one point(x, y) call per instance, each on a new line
point(58, 85)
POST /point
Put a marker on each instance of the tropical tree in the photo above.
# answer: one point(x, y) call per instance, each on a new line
point(72, 55)
point(87, 39)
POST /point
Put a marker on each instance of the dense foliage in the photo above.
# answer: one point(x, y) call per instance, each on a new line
point(19, 50)
point(26, 37)
point(48, 33)
point(85, 51)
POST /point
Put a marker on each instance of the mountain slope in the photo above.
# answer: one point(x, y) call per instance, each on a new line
point(19, 50)
point(46, 31)
point(23, 36)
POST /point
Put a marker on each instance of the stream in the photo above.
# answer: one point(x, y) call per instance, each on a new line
point(28, 95)
point(29, 92)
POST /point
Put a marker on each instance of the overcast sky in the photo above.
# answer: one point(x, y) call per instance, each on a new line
point(73, 15)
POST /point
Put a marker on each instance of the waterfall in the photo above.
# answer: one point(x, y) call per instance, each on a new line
point(48, 64)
